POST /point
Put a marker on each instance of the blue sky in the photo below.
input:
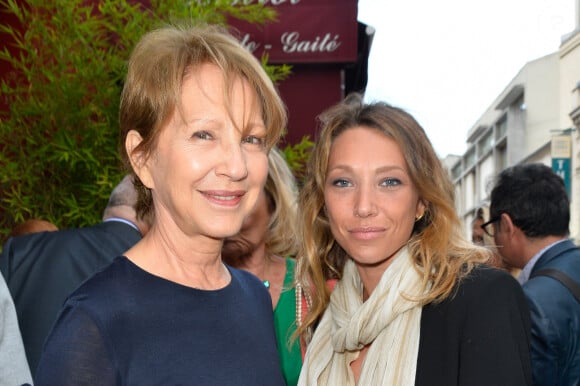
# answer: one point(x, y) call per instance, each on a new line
point(446, 61)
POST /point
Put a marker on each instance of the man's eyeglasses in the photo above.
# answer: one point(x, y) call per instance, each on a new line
point(487, 228)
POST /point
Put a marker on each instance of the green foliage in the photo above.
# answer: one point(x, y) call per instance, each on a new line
point(276, 73)
point(297, 156)
point(59, 138)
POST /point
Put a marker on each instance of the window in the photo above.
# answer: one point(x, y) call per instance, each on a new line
point(485, 143)
point(501, 128)
point(501, 157)
point(456, 171)
point(470, 158)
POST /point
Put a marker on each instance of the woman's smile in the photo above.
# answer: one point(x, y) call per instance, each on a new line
point(224, 198)
point(367, 233)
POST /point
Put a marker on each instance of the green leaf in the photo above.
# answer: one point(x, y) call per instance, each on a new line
point(58, 139)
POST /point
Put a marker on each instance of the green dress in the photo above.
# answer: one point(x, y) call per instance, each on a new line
point(285, 325)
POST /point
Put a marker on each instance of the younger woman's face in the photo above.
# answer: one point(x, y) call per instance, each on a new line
point(370, 199)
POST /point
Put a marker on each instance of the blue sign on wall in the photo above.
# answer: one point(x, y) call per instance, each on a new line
point(562, 167)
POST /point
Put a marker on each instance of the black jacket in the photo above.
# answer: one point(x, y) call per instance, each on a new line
point(478, 337)
point(42, 269)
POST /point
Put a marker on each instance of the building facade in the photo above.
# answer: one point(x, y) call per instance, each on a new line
point(535, 119)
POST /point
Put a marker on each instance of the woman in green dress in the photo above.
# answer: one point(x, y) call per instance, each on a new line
point(266, 246)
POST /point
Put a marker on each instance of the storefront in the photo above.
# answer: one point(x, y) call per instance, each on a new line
point(322, 41)
point(326, 47)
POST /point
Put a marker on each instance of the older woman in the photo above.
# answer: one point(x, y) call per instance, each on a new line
point(412, 304)
point(198, 117)
point(266, 246)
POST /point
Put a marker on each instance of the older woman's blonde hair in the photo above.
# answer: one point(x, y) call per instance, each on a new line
point(152, 89)
point(440, 252)
point(282, 196)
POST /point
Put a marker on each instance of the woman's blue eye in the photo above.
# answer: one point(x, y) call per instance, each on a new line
point(341, 183)
point(391, 182)
point(253, 140)
point(203, 135)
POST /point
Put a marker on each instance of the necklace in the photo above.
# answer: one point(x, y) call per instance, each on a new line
point(266, 269)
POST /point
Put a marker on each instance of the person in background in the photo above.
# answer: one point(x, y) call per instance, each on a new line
point(266, 246)
point(477, 234)
point(198, 116)
point(479, 237)
point(14, 368)
point(530, 215)
point(42, 269)
point(413, 304)
point(33, 226)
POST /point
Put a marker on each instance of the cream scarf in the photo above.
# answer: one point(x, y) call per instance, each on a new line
point(387, 320)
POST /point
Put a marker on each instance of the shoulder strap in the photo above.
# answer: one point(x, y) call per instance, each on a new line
point(566, 280)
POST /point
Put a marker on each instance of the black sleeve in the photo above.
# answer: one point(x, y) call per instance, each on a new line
point(495, 343)
point(478, 336)
point(75, 353)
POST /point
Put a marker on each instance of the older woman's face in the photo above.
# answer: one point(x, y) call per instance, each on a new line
point(370, 200)
point(208, 167)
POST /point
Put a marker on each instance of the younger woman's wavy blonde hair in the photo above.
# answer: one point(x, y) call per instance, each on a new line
point(441, 254)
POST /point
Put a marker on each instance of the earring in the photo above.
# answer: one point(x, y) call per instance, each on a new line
point(419, 217)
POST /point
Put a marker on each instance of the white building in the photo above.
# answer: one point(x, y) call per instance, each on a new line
point(535, 119)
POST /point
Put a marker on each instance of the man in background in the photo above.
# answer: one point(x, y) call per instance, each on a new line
point(42, 269)
point(529, 217)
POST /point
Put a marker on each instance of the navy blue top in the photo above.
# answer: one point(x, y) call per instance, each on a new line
point(125, 326)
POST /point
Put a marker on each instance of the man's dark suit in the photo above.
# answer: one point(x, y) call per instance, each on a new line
point(42, 269)
point(555, 318)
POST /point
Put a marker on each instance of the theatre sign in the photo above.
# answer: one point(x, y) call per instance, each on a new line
point(319, 39)
point(307, 31)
